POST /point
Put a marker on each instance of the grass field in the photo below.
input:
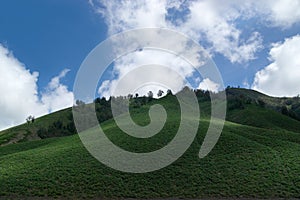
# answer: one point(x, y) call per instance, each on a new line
point(27, 132)
point(257, 156)
point(246, 162)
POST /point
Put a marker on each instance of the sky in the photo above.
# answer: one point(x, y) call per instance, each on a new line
point(254, 44)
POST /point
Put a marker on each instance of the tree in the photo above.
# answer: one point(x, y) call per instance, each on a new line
point(235, 103)
point(160, 93)
point(169, 92)
point(97, 100)
point(261, 103)
point(80, 103)
point(150, 94)
point(42, 133)
point(136, 95)
point(284, 110)
point(30, 119)
point(130, 96)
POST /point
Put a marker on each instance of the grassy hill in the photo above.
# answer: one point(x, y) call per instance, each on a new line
point(243, 107)
point(284, 105)
point(28, 132)
point(257, 156)
point(264, 118)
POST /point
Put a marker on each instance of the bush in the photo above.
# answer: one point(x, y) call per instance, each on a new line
point(284, 110)
point(261, 103)
point(235, 103)
point(42, 133)
point(57, 129)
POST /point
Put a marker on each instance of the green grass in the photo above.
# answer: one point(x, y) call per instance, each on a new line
point(28, 131)
point(274, 103)
point(261, 117)
point(7, 136)
point(246, 162)
point(257, 156)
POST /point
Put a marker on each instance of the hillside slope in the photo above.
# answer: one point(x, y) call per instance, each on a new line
point(263, 118)
point(244, 107)
point(28, 132)
point(246, 162)
point(289, 106)
point(258, 157)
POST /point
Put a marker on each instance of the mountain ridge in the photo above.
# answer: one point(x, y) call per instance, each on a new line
point(238, 102)
point(254, 157)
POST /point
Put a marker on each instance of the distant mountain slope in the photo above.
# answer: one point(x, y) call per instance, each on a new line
point(56, 124)
point(245, 106)
point(28, 132)
point(289, 106)
point(257, 155)
point(264, 118)
point(250, 107)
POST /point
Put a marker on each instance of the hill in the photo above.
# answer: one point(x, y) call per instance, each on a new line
point(289, 106)
point(28, 132)
point(245, 106)
point(257, 156)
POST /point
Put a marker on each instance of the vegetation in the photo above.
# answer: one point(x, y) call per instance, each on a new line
point(257, 155)
point(61, 123)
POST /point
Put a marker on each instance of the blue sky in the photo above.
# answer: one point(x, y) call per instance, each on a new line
point(48, 36)
point(43, 43)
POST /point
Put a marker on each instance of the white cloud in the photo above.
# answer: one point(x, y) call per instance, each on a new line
point(139, 72)
point(202, 21)
point(206, 20)
point(281, 13)
point(209, 85)
point(281, 77)
point(57, 95)
point(211, 23)
point(124, 15)
point(246, 83)
point(19, 92)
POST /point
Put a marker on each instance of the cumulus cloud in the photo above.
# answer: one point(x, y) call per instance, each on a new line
point(201, 20)
point(142, 71)
point(19, 92)
point(209, 85)
point(213, 24)
point(281, 77)
point(124, 15)
point(57, 95)
point(212, 21)
point(281, 13)
point(209, 22)
point(198, 19)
